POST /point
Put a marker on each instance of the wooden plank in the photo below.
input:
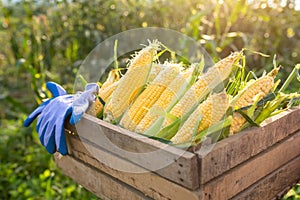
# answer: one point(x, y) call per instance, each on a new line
point(172, 163)
point(244, 175)
point(238, 148)
point(273, 186)
point(99, 183)
point(149, 183)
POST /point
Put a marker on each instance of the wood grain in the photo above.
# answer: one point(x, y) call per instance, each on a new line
point(253, 164)
point(100, 184)
point(275, 184)
point(149, 183)
point(244, 175)
point(172, 163)
point(238, 148)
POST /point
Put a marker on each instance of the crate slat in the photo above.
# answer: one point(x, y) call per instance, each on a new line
point(150, 154)
point(102, 185)
point(147, 182)
point(244, 175)
point(254, 164)
point(238, 148)
point(274, 185)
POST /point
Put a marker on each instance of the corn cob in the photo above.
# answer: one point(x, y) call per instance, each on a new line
point(113, 76)
point(246, 97)
point(156, 68)
point(104, 94)
point(206, 82)
point(211, 111)
point(129, 86)
point(145, 56)
point(170, 94)
point(149, 96)
point(105, 91)
point(109, 86)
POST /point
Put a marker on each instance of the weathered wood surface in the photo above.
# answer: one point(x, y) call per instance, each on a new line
point(101, 184)
point(238, 148)
point(244, 166)
point(274, 185)
point(149, 183)
point(172, 163)
point(244, 175)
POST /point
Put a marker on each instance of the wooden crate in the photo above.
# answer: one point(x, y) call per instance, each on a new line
point(258, 163)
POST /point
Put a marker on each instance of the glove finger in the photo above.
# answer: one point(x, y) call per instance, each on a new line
point(92, 86)
point(41, 123)
point(47, 131)
point(41, 133)
point(50, 144)
point(55, 89)
point(44, 121)
point(78, 109)
point(32, 116)
point(75, 118)
point(60, 139)
point(60, 133)
point(38, 124)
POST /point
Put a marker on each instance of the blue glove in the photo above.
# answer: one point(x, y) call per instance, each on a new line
point(56, 90)
point(83, 101)
point(53, 113)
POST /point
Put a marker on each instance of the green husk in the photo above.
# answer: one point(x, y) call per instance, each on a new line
point(199, 137)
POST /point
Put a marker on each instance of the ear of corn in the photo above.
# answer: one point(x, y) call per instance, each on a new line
point(149, 96)
point(97, 107)
point(113, 76)
point(128, 88)
point(206, 114)
point(105, 91)
point(171, 94)
point(145, 56)
point(156, 68)
point(205, 84)
point(131, 83)
point(246, 97)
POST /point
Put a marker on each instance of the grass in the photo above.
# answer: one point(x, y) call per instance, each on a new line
point(27, 171)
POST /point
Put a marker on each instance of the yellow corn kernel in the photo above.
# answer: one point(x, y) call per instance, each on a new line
point(104, 93)
point(95, 108)
point(113, 76)
point(156, 68)
point(170, 94)
point(205, 84)
point(237, 122)
point(149, 96)
point(145, 56)
point(129, 86)
point(246, 97)
point(211, 110)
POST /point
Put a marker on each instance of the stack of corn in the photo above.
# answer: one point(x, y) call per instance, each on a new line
point(205, 84)
point(149, 96)
point(172, 101)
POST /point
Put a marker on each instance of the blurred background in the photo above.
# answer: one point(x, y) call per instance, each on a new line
point(44, 41)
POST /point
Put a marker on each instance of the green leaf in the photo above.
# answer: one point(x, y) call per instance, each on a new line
point(293, 74)
point(160, 139)
point(212, 129)
point(249, 120)
point(169, 131)
point(82, 80)
point(116, 55)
